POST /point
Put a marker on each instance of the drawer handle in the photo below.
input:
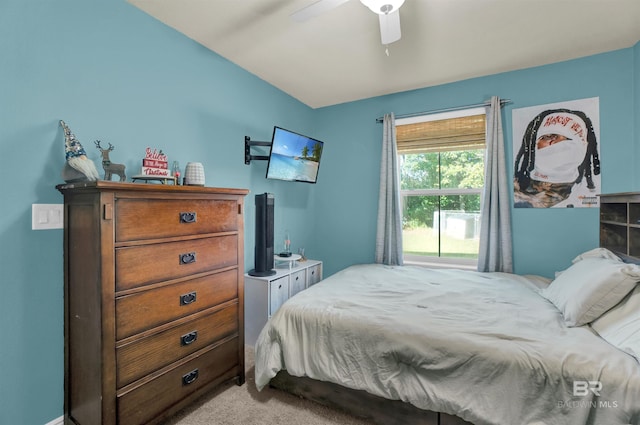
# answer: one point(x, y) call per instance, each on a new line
point(190, 377)
point(187, 258)
point(188, 217)
point(188, 298)
point(189, 338)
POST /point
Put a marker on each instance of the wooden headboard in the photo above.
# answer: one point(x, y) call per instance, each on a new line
point(620, 225)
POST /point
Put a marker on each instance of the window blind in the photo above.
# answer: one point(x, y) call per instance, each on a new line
point(460, 133)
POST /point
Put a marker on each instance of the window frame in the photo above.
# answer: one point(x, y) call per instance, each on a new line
point(433, 261)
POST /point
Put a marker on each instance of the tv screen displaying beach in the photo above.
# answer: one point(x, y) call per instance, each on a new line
point(294, 157)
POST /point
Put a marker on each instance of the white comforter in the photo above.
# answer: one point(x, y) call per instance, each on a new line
point(483, 346)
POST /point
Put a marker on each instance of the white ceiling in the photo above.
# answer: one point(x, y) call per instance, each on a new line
point(337, 57)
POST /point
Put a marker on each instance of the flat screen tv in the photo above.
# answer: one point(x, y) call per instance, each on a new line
point(293, 157)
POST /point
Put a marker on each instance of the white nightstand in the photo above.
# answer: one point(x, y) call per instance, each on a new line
point(264, 295)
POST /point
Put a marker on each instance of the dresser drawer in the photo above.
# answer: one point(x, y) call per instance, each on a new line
point(139, 219)
point(145, 310)
point(140, 265)
point(141, 404)
point(144, 355)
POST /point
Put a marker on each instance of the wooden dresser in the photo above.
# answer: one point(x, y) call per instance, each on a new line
point(154, 298)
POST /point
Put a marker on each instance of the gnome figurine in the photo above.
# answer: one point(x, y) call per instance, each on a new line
point(78, 167)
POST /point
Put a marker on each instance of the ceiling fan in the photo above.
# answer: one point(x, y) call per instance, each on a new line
point(387, 10)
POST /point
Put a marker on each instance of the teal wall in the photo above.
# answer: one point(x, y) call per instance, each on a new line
point(636, 107)
point(112, 73)
point(115, 74)
point(544, 240)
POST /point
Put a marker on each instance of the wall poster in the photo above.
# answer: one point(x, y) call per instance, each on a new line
point(557, 155)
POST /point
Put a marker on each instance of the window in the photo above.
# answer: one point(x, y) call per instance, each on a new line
point(442, 174)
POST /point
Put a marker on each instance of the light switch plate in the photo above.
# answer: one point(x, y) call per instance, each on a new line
point(47, 216)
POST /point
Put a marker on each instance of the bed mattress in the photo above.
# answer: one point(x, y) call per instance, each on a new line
point(483, 346)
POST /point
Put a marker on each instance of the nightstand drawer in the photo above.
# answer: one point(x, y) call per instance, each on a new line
point(145, 310)
point(140, 404)
point(297, 282)
point(144, 264)
point(140, 219)
point(314, 274)
point(144, 355)
point(278, 293)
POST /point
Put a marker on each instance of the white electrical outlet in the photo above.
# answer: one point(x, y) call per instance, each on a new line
point(47, 216)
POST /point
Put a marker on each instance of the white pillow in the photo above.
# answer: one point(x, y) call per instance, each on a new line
point(597, 253)
point(620, 326)
point(590, 287)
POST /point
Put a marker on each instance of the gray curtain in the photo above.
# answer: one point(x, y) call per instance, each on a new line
point(495, 228)
point(389, 233)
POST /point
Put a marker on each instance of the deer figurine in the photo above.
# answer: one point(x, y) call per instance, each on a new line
point(109, 167)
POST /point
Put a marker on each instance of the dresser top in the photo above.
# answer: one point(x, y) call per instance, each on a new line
point(101, 185)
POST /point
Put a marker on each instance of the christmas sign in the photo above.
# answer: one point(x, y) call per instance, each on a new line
point(155, 164)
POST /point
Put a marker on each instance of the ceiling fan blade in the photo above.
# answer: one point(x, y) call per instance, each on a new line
point(390, 27)
point(316, 9)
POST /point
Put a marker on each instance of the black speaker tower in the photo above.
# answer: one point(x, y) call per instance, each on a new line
point(264, 236)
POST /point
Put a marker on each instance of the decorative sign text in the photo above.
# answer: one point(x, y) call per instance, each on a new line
point(155, 163)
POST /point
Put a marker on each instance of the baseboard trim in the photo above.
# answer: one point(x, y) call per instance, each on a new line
point(57, 421)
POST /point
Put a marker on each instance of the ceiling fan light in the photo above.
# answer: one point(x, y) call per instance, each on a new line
point(383, 7)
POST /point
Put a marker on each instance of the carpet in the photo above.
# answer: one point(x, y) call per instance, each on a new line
point(244, 405)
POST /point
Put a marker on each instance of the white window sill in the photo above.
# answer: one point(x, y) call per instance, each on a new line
point(441, 263)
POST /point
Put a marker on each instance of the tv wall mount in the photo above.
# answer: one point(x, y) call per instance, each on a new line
point(247, 150)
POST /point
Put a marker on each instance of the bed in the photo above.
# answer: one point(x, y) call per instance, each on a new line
point(486, 348)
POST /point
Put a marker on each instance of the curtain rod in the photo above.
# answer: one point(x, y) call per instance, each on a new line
point(455, 108)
